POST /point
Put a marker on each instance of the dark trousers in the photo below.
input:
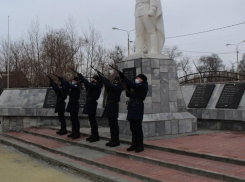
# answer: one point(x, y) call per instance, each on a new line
point(114, 128)
point(137, 132)
point(75, 122)
point(62, 119)
point(93, 123)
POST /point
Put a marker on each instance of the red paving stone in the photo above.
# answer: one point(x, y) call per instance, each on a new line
point(152, 171)
point(79, 162)
point(38, 140)
point(194, 162)
point(227, 144)
point(50, 132)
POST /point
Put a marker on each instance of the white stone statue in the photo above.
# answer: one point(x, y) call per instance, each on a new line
point(149, 28)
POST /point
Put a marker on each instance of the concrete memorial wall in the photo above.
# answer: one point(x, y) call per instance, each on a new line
point(23, 108)
point(225, 109)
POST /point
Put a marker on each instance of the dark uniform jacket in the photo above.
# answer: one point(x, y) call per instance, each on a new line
point(73, 104)
point(137, 96)
point(93, 94)
point(61, 94)
point(113, 98)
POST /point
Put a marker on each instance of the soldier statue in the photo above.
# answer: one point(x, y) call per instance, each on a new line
point(149, 28)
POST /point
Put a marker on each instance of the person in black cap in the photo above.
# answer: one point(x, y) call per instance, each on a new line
point(93, 89)
point(61, 94)
point(114, 91)
point(137, 95)
point(73, 105)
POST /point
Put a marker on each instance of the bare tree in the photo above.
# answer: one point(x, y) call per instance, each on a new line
point(184, 67)
point(92, 40)
point(172, 52)
point(242, 65)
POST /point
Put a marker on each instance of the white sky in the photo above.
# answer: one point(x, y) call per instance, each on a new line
point(180, 17)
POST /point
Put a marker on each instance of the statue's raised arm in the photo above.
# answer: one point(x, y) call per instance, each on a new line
point(149, 26)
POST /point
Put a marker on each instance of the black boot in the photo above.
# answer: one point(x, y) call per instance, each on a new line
point(140, 147)
point(63, 130)
point(109, 143)
point(88, 139)
point(95, 137)
point(115, 141)
point(133, 145)
point(72, 134)
point(58, 132)
point(77, 133)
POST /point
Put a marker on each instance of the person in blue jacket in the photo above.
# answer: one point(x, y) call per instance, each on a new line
point(61, 94)
point(73, 105)
point(114, 91)
point(93, 90)
point(138, 93)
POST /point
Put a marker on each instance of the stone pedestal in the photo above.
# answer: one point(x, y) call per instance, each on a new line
point(165, 109)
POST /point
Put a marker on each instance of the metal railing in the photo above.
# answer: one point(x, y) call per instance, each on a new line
point(211, 76)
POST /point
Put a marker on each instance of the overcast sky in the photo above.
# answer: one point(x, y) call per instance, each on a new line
point(180, 17)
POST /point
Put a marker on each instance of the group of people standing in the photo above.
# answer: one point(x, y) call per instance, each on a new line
point(136, 91)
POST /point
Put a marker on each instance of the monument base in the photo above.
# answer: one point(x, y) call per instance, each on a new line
point(162, 124)
point(165, 109)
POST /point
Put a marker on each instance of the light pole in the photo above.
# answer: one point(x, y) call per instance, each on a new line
point(128, 32)
point(236, 56)
point(8, 55)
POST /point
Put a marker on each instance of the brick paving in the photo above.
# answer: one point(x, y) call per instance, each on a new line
point(227, 144)
point(149, 170)
point(193, 141)
point(156, 172)
point(79, 162)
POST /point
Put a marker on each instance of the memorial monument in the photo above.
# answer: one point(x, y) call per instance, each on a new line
point(165, 110)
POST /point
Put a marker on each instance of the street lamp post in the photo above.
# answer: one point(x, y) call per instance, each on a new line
point(236, 56)
point(128, 32)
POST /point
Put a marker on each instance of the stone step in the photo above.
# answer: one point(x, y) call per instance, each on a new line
point(193, 165)
point(86, 170)
point(136, 169)
point(161, 145)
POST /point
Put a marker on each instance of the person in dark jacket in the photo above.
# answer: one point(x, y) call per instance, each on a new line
point(73, 105)
point(114, 91)
point(138, 93)
point(61, 94)
point(93, 90)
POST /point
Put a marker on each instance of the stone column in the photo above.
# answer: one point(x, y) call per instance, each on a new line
point(165, 109)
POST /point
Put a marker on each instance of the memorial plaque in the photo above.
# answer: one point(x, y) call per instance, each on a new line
point(231, 96)
point(50, 99)
point(130, 73)
point(201, 96)
point(82, 99)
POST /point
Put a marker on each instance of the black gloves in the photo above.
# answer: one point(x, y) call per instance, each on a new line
point(80, 76)
point(122, 76)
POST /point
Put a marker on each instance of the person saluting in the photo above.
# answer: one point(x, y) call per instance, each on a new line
point(93, 90)
point(137, 95)
point(61, 94)
point(114, 91)
point(73, 105)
